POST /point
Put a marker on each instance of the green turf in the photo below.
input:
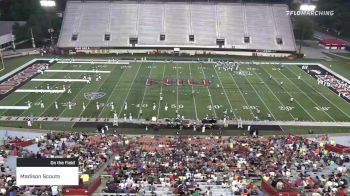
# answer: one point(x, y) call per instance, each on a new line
point(240, 95)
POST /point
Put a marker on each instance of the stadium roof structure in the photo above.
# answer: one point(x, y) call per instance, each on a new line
point(230, 26)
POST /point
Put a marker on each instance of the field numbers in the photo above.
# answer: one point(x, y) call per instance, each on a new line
point(286, 108)
point(145, 105)
point(214, 106)
point(250, 107)
point(322, 108)
point(174, 106)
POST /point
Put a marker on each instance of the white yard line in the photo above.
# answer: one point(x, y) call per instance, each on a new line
point(306, 95)
point(321, 94)
point(246, 102)
point(222, 86)
point(295, 99)
point(161, 91)
point(76, 95)
point(194, 99)
point(127, 95)
point(38, 91)
point(76, 71)
point(261, 99)
point(271, 92)
point(211, 100)
point(58, 80)
point(144, 93)
point(110, 96)
point(177, 88)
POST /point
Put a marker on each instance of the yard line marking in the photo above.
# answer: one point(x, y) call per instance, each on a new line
point(194, 100)
point(161, 91)
point(127, 95)
point(320, 93)
point(261, 98)
point(76, 95)
point(240, 92)
point(110, 96)
point(41, 83)
point(271, 91)
point(295, 99)
point(211, 100)
point(177, 88)
point(144, 93)
point(41, 97)
point(222, 86)
point(57, 99)
point(306, 95)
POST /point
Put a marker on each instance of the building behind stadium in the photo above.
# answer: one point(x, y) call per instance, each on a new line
point(176, 27)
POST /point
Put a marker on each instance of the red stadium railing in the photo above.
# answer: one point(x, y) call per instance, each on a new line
point(273, 192)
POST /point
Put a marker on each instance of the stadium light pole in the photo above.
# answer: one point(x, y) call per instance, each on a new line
point(305, 8)
point(49, 4)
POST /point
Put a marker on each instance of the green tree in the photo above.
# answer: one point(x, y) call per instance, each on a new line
point(340, 21)
point(303, 27)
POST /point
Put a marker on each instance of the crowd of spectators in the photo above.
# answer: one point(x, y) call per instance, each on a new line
point(91, 151)
point(189, 165)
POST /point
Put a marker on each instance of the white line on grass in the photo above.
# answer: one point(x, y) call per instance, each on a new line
point(305, 94)
point(41, 97)
point(76, 95)
point(305, 110)
point(194, 99)
point(161, 91)
point(246, 102)
point(110, 96)
point(320, 94)
point(222, 86)
point(211, 100)
point(261, 98)
point(127, 95)
point(177, 88)
point(271, 91)
point(144, 93)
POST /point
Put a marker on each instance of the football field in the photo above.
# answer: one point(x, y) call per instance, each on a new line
point(160, 89)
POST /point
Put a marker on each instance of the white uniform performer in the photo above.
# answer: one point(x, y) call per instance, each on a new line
point(48, 86)
point(154, 106)
point(97, 106)
point(166, 107)
point(69, 105)
point(130, 117)
point(84, 107)
point(29, 104)
point(203, 129)
point(112, 106)
point(29, 122)
point(124, 116)
point(42, 104)
point(126, 106)
point(291, 99)
point(299, 77)
point(56, 105)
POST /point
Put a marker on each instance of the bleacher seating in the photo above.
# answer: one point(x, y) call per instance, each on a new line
point(146, 21)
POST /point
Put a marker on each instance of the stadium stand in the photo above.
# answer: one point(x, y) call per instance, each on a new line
point(166, 25)
point(183, 165)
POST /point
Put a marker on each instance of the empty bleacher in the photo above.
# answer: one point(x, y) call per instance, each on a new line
point(175, 24)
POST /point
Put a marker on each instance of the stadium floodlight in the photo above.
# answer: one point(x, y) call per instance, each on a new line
point(307, 7)
point(47, 3)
